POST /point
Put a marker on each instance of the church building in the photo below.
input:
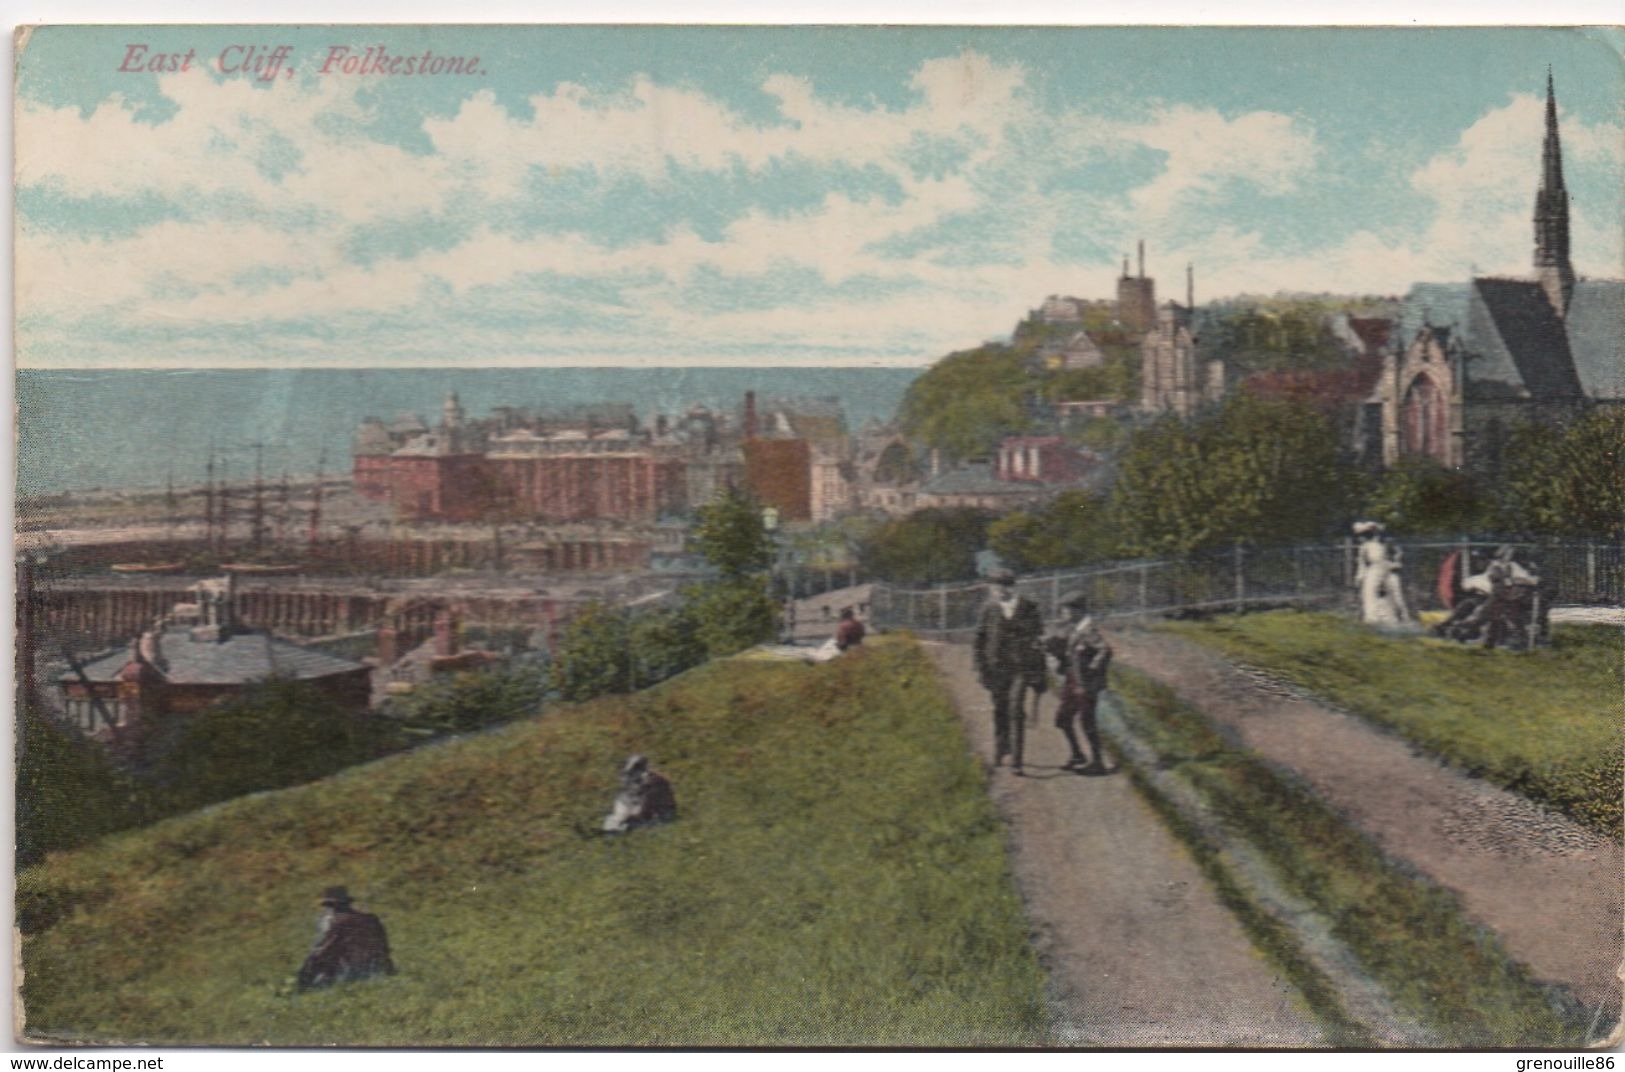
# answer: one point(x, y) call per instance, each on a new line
point(1537, 349)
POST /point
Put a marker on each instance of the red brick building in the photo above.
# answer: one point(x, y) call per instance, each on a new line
point(1042, 460)
point(441, 487)
point(779, 473)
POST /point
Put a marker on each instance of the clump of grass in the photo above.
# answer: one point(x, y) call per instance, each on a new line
point(837, 877)
point(1546, 724)
point(1408, 934)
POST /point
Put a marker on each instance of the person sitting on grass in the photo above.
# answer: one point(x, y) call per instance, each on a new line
point(351, 945)
point(850, 633)
point(645, 797)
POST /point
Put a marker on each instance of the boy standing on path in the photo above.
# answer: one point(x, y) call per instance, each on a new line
point(1083, 655)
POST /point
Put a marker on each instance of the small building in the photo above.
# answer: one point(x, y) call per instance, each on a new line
point(977, 486)
point(1043, 460)
point(198, 656)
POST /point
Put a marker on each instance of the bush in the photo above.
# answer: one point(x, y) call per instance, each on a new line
point(274, 734)
point(68, 789)
point(593, 656)
point(473, 699)
point(729, 616)
point(1420, 497)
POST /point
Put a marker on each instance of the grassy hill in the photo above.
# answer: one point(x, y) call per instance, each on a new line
point(837, 876)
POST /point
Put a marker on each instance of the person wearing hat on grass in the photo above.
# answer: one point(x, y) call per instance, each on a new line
point(1082, 655)
point(645, 797)
point(352, 944)
point(1009, 658)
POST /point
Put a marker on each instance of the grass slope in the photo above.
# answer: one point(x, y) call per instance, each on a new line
point(1546, 724)
point(837, 877)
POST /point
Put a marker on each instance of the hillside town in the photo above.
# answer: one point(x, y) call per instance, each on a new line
point(538, 512)
point(957, 539)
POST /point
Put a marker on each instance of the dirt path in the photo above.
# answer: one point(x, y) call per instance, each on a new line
point(1550, 889)
point(1139, 948)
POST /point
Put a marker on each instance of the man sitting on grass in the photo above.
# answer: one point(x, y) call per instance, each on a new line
point(645, 797)
point(352, 945)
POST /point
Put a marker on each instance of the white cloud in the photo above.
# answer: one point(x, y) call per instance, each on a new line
point(1006, 177)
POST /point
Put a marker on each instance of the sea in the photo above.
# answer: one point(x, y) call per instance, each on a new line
point(88, 429)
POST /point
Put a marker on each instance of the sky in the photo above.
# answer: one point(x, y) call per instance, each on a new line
point(769, 196)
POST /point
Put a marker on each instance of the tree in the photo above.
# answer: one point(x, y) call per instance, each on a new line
point(728, 532)
point(968, 401)
point(930, 546)
point(1567, 481)
point(1259, 470)
point(1075, 528)
point(1283, 334)
point(1420, 497)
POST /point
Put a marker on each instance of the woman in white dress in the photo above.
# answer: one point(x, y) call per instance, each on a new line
point(1382, 601)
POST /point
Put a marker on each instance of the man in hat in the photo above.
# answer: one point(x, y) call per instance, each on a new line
point(1082, 655)
point(1009, 658)
point(645, 797)
point(352, 944)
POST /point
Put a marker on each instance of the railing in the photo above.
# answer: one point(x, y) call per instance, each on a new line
point(1250, 577)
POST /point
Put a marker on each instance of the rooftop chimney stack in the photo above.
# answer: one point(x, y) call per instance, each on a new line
point(750, 415)
point(1142, 258)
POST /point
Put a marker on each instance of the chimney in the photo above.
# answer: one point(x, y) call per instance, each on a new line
point(1190, 287)
point(1125, 266)
point(750, 415)
point(386, 647)
point(1142, 258)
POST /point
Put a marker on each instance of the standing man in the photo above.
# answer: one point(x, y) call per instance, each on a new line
point(1009, 658)
point(1083, 655)
point(352, 944)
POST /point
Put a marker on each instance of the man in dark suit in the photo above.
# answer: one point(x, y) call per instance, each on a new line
point(1009, 658)
point(352, 945)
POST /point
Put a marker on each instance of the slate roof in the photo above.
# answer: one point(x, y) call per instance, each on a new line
point(974, 478)
point(1533, 334)
point(1596, 327)
point(237, 660)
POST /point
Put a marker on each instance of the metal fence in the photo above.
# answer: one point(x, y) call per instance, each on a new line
point(1241, 578)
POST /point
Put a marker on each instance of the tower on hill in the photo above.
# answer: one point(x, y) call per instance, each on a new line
point(1136, 297)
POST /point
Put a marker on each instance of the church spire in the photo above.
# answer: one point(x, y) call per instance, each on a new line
point(1552, 265)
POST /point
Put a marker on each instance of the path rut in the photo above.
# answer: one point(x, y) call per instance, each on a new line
point(1139, 948)
point(1552, 891)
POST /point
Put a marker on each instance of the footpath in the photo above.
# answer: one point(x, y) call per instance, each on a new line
point(1139, 947)
point(1550, 889)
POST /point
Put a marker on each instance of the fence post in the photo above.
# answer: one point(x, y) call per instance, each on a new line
point(1054, 594)
point(1591, 569)
point(942, 609)
point(1145, 599)
point(1241, 579)
point(1297, 570)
